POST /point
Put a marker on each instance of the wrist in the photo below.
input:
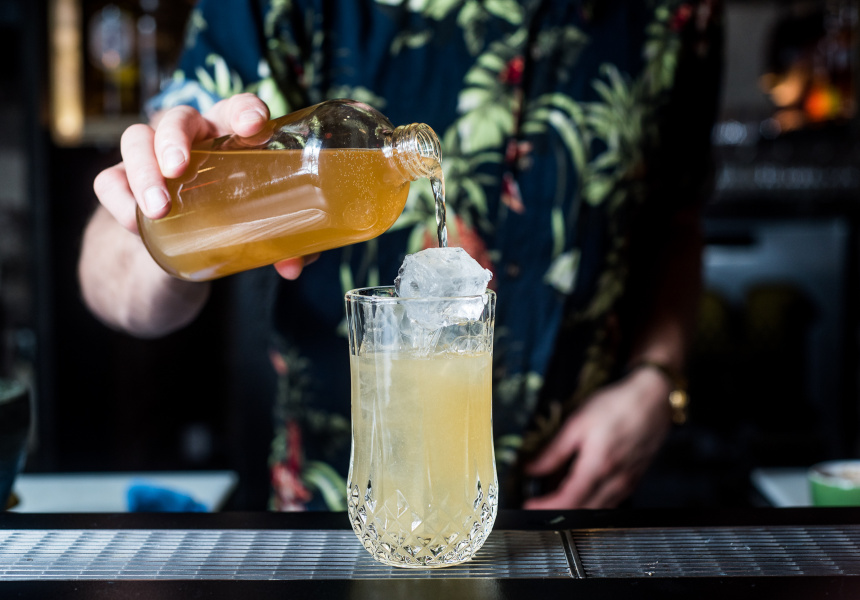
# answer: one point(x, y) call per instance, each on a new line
point(677, 398)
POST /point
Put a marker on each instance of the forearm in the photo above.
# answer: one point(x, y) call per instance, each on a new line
point(126, 289)
point(666, 331)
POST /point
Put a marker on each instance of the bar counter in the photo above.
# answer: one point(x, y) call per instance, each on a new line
point(746, 553)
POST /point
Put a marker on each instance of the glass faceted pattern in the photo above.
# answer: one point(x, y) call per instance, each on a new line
point(380, 527)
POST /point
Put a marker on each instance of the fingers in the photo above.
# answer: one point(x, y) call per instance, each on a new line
point(611, 492)
point(607, 493)
point(580, 484)
point(177, 130)
point(598, 478)
point(180, 127)
point(291, 268)
point(141, 168)
point(588, 485)
point(150, 156)
point(242, 114)
point(559, 451)
point(112, 189)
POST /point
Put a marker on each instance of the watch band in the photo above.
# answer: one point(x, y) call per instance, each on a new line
point(679, 399)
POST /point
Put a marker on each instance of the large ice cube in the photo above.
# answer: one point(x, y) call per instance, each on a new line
point(438, 276)
point(441, 273)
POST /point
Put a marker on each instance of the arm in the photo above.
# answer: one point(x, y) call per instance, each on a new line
point(618, 430)
point(615, 434)
point(665, 336)
point(120, 282)
point(126, 289)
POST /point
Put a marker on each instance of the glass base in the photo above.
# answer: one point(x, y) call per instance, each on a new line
point(397, 536)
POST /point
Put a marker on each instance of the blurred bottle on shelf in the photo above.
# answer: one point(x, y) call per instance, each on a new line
point(111, 50)
point(107, 58)
point(150, 74)
point(811, 66)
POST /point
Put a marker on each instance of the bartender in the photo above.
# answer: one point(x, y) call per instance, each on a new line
point(576, 156)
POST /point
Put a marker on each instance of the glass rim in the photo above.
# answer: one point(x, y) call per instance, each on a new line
point(363, 294)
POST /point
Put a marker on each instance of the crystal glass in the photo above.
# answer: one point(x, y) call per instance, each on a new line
point(422, 477)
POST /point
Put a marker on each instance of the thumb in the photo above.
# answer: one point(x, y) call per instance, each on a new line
point(559, 451)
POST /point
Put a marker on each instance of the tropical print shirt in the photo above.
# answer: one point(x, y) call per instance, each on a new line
point(570, 131)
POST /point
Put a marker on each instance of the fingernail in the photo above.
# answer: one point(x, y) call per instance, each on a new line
point(154, 199)
point(251, 116)
point(173, 157)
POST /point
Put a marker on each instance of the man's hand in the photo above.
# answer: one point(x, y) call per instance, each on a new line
point(612, 439)
point(152, 154)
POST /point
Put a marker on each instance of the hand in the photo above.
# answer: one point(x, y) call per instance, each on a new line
point(151, 155)
point(613, 437)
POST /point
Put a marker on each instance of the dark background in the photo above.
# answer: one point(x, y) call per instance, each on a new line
point(773, 377)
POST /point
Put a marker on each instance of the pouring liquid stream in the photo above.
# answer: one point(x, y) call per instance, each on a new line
point(437, 184)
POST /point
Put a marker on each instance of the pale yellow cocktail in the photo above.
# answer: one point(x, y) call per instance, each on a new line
point(422, 480)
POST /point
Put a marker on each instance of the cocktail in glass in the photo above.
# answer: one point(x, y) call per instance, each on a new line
point(422, 478)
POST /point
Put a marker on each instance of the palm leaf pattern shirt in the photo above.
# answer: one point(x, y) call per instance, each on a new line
point(570, 131)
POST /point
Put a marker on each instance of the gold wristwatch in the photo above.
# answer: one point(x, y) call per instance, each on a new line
point(679, 399)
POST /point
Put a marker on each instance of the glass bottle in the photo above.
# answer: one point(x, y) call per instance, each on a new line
point(329, 175)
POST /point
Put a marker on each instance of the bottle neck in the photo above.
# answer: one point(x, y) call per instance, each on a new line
point(416, 151)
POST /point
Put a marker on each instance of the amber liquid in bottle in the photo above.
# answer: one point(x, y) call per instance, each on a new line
point(228, 213)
